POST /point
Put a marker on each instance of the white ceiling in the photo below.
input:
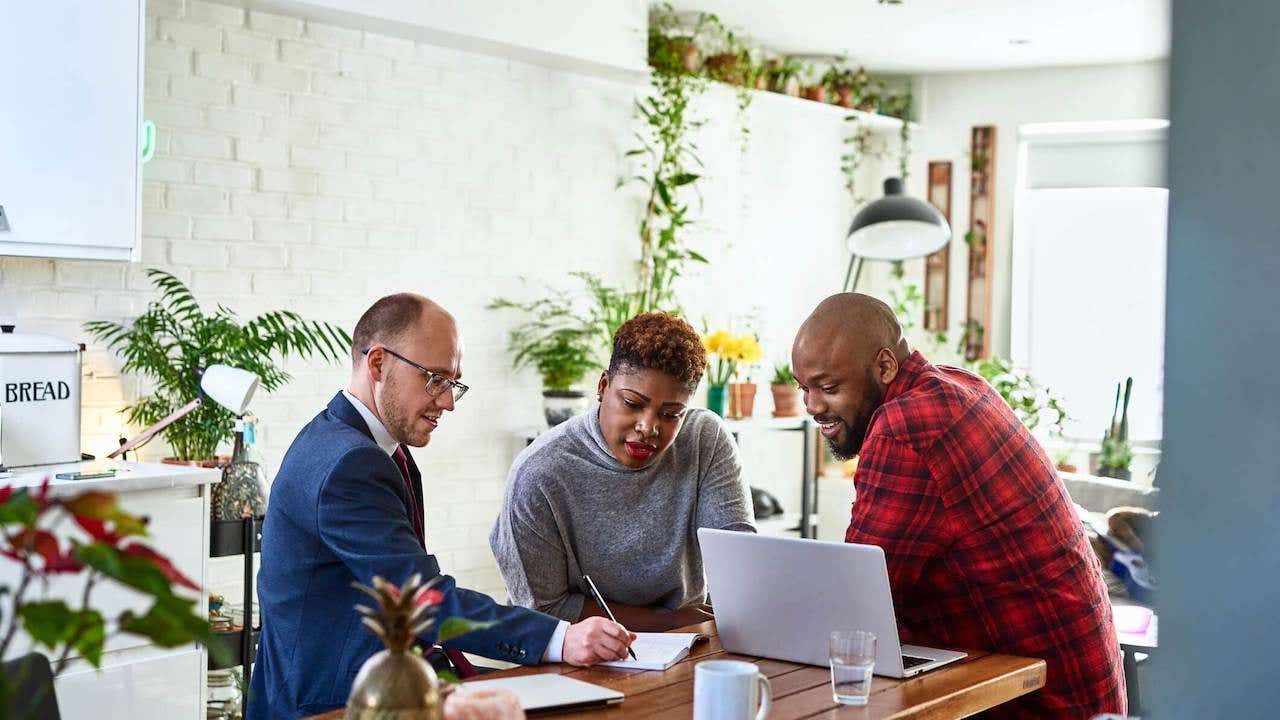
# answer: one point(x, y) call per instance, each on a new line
point(922, 36)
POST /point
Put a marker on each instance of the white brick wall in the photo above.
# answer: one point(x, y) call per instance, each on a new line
point(316, 168)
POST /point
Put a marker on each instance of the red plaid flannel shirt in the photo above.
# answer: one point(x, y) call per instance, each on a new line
point(983, 546)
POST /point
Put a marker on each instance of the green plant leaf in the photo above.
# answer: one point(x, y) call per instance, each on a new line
point(456, 626)
point(53, 625)
point(170, 622)
point(20, 508)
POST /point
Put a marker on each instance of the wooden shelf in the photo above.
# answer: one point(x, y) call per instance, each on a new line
point(874, 121)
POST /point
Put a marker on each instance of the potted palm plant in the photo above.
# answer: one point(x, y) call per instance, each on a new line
point(175, 340)
point(560, 345)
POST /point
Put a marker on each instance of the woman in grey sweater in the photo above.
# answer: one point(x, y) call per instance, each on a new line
point(619, 492)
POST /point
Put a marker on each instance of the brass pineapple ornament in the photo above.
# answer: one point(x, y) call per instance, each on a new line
point(396, 683)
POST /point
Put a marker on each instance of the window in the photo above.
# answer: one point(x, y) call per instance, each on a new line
point(1089, 269)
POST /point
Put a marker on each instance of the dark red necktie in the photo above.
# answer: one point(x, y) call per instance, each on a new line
point(402, 461)
point(464, 667)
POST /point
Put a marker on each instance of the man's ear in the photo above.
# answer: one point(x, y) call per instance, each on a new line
point(601, 386)
point(374, 363)
point(886, 366)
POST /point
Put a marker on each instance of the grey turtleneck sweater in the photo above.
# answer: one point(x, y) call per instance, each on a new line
point(571, 508)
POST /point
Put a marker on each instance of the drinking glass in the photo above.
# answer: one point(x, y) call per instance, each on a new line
point(853, 657)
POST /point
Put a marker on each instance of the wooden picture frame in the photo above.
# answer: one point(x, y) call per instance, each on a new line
point(937, 285)
point(979, 238)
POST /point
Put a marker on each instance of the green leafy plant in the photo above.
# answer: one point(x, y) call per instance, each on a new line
point(175, 340)
point(859, 146)
point(112, 555)
point(1032, 402)
point(904, 133)
point(669, 166)
point(554, 339)
point(1116, 452)
point(671, 49)
point(782, 375)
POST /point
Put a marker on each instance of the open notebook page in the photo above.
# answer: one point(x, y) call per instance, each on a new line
point(657, 651)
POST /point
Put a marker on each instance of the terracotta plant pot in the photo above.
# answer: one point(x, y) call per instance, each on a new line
point(816, 93)
point(742, 400)
point(844, 96)
point(728, 68)
point(786, 400)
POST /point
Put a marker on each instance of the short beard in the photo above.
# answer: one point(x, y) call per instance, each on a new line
point(395, 417)
point(856, 432)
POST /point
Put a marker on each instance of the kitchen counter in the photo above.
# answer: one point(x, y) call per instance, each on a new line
point(130, 477)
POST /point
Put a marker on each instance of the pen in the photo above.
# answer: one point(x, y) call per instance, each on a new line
point(600, 599)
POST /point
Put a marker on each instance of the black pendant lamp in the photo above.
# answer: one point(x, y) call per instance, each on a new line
point(894, 227)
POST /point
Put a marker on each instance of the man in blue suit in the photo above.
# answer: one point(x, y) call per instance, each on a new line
point(347, 505)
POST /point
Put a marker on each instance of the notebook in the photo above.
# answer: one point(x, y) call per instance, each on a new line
point(549, 691)
point(657, 651)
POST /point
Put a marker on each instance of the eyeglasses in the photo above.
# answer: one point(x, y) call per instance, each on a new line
point(436, 383)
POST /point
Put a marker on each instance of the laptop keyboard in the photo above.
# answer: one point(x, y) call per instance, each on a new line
point(910, 661)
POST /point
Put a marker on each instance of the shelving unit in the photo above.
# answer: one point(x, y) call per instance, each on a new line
point(228, 538)
point(803, 522)
point(937, 267)
point(874, 121)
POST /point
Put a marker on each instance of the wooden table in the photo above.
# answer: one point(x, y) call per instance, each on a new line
point(978, 682)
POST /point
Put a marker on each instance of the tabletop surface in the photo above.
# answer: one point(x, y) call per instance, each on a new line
point(980, 681)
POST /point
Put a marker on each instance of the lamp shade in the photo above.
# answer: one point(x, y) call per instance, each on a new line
point(232, 388)
point(897, 227)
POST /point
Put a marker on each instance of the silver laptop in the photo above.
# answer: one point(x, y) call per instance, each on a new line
point(781, 597)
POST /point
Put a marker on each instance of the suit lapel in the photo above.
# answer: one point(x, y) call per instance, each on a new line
point(344, 412)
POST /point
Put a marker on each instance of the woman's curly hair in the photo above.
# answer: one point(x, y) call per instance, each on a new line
point(659, 341)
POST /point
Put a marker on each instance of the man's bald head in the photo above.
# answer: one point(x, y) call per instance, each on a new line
point(392, 318)
point(856, 324)
point(844, 357)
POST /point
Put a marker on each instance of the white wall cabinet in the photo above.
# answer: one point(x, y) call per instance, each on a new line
point(70, 113)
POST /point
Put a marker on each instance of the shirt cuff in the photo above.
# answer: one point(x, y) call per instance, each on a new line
point(555, 646)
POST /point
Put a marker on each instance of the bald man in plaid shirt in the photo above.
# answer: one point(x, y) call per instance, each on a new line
point(984, 549)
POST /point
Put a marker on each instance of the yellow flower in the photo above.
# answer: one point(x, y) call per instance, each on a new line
point(714, 343)
point(748, 350)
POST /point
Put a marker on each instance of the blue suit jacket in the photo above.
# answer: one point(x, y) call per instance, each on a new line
point(340, 512)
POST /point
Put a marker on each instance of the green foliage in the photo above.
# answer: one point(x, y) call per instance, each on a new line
point(53, 624)
point(1033, 403)
point(175, 339)
point(112, 556)
point(904, 137)
point(456, 626)
point(859, 146)
point(669, 170)
point(1116, 452)
point(782, 374)
point(554, 339)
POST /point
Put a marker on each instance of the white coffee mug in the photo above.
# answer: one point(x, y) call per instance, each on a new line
point(729, 690)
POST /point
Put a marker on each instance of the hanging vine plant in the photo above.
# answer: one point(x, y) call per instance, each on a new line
point(669, 170)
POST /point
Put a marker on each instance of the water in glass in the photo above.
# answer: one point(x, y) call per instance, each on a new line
point(853, 657)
